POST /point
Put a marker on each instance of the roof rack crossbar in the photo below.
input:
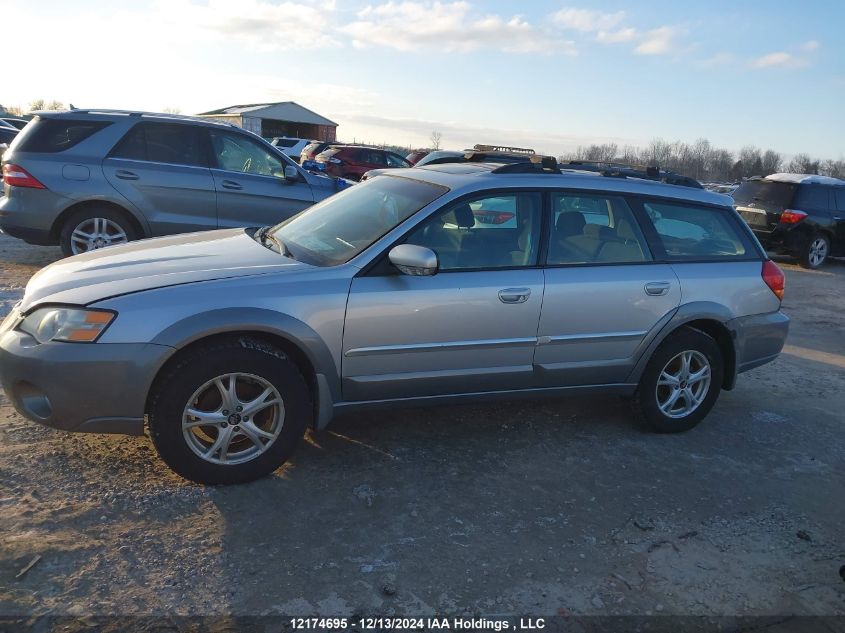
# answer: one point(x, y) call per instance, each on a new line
point(141, 113)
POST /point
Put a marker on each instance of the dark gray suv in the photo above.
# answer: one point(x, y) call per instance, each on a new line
point(85, 179)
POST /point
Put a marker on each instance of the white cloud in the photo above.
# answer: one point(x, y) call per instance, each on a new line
point(811, 46)
point(447, 26)
point(659, 41)
point(260, 24)
point(620, 35)
point(587, 20)
point(779, 59)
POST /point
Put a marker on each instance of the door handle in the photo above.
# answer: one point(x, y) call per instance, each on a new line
point(657, 288)
point(126, 175)
point(514, 295)
point(230, 184)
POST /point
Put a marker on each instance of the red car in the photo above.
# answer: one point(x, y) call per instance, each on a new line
point(352, 162)
point(416, 155)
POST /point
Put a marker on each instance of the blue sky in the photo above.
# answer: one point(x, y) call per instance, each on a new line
point(546, 74)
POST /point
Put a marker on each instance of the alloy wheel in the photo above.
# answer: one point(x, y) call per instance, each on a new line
point(683, 384)
point(94, 233)
point(233, 418)
point(818, 252)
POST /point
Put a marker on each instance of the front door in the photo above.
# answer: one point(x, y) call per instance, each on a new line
point(162, 169)
point(250, 184)
point(470, 328)
point(604, 295)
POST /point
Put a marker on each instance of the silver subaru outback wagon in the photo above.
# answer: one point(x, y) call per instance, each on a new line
point(443, 284)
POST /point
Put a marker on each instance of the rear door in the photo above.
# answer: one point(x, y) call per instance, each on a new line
point(162, 168)
point(250, 183)
point(838, 246)
point(605, 293)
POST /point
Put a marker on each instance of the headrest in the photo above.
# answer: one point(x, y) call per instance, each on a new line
point(598, 231)
point(464, 217)
point(570, 223)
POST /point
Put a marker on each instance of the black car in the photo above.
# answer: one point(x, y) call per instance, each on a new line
point(797, 214)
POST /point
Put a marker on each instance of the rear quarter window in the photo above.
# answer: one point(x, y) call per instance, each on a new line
point(811, 196)
point(696, 233)
point(57, 135)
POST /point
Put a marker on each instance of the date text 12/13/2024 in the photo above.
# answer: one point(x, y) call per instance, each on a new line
point(410, 624)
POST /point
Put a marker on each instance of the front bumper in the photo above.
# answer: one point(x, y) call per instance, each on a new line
point(759, 338)
point(90, 387)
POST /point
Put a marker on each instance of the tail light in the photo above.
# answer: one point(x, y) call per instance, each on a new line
point(17, 176)
point(791, 216)
point(774, 278)
point(493, 217)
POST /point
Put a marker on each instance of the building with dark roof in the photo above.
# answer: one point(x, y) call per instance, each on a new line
point(285, 118)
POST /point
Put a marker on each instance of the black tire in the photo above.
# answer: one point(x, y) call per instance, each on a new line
point(118, 218)
point(645, 404)
point(815, 252)
point(179, 382)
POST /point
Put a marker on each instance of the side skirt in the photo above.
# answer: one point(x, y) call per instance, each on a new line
point(618, 389)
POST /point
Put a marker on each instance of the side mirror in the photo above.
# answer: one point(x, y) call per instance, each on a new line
point(414, 260)
point(291, 174)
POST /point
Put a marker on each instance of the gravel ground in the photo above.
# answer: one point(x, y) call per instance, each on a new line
point(528, 508)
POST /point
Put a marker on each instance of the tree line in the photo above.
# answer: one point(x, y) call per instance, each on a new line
point(707, 163)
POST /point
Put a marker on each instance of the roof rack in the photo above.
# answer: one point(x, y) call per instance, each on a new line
point(534, 165)
point(478, 147)
point(141, 113)
point(624, 170)
point(613, 168)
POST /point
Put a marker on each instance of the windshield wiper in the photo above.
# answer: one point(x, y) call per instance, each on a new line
point(264, 238)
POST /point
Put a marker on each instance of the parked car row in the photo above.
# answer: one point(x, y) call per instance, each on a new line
point(85, 179)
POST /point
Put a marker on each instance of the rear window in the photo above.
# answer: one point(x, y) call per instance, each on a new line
point(162, 143)
point(765, 193)
point(812, 197)
point(688, 232)
point(57, 135)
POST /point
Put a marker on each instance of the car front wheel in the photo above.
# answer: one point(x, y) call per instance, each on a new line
point(681, 382)
point(229, 412)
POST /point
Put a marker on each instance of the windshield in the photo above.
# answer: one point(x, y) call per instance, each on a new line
point(765, 193)
point(335, 230)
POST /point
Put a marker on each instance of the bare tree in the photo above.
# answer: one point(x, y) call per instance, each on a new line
point(37, 104)
point(772, 162)
point(435, 138)
point(833, 168)
point(803, 164)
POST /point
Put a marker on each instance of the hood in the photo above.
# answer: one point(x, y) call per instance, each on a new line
point(155, 263)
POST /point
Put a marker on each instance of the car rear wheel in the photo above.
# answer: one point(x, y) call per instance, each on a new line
point(815, 253)
point(90, 229)
point(681, 382)
point(229, 412)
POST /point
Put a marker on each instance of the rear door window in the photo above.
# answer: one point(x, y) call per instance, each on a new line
point(840, 198)
point(594, 229)
point(163, 143)
point(57, 135)
point(695, 233)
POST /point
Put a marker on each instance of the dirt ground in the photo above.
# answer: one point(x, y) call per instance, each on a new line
point(527, 508)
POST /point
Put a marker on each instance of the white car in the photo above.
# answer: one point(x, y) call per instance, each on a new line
point(290, 146)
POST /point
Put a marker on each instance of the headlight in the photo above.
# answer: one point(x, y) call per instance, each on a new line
point(77, 325)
